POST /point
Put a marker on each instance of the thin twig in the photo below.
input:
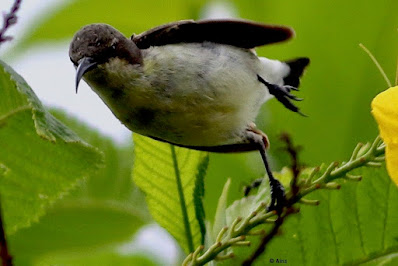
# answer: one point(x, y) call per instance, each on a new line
point(9, 19)
point(377, 64)
point(295, 166)
point(5, 256)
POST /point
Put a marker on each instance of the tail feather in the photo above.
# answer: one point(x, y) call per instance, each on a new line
point(297, 67)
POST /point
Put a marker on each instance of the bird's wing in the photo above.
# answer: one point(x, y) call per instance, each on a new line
point(240, 33)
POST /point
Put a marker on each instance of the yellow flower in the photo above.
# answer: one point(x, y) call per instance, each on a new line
point(385, 111)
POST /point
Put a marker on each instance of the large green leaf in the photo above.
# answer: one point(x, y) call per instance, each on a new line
point(114, 181)
point(76, 226)
point(104, 210)
point(168, 175)
point(354, 225)
point(40, 157)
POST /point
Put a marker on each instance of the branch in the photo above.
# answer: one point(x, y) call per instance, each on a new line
point(9, 19)
point(235, 235)
point(5, 256)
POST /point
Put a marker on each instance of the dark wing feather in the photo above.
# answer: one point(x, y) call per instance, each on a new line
point(240, 33)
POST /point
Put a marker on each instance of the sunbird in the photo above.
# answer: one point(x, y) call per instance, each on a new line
point(194, 84)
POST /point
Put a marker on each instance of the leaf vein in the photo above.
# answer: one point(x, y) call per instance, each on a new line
point(13, 112)
point(332, 230)
point(386, 216)
point(359, 222)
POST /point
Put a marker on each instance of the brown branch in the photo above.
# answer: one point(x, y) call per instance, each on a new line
point(9, 19)
point(265, 239)
point(5, 256)
point(296, 169)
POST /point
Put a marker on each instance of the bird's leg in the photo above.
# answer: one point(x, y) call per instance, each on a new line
point(277, 191)
point(282, 94)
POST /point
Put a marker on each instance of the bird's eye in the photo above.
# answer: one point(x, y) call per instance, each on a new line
point(113, 47)
point(98, 43)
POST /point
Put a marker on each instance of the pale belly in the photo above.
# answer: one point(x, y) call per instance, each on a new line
point(192, 101)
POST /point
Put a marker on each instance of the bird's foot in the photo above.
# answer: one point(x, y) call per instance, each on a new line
point(278, 198)
point(282, 94)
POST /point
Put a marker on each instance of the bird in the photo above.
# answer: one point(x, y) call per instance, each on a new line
point(194, 84)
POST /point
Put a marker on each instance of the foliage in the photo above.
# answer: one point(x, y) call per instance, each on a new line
point(168, 176)
point(247, 214)
point(337, 87)
point(31, 139)
point(108, 196)
point(65, 202)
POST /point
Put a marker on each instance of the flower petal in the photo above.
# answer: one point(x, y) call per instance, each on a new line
point(385, 110)
point(392, 161)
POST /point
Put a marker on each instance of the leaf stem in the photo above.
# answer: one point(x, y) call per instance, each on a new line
point(377, 64)
point(188, 232)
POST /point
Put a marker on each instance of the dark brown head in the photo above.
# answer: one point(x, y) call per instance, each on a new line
point(97, 43)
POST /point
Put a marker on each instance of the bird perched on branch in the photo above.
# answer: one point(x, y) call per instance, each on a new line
point(194, 84)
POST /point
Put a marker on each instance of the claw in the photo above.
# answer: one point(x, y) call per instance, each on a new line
point(292, 97)
point(278, 198)
point(282, 94)
point(302, 114)
point(291, 87)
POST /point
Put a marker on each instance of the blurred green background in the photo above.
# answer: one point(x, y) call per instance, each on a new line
point(337, 87)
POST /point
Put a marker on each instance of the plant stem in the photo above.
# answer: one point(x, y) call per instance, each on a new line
point(9, 20)
point(5, 256)
point(377, 64)
point(264, 241)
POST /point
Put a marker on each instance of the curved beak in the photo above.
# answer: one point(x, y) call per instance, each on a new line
point(85, 64)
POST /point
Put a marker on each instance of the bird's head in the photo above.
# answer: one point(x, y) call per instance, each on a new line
point(96, 44)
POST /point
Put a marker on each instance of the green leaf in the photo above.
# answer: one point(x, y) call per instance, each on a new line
point(40, 157)
point(114, 181)
point(246, 205)
point(220, 219)
point(353, 225)
point(77, 225)
point(73, 222)
point(167, 176)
